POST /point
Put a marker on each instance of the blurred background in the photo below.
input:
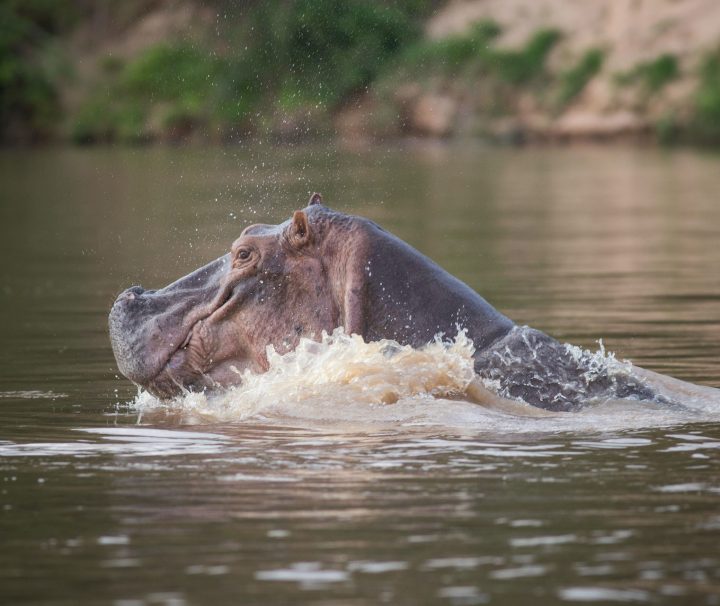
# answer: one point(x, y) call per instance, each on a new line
point(215, 71)
point(139, 138)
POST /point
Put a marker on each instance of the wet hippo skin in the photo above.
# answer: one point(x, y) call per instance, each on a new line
point(319, 270)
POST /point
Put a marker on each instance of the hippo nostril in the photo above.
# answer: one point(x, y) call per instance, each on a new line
point(131, 293)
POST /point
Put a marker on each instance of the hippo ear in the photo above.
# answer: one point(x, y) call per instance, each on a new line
point(300, 233)
point(316, 198)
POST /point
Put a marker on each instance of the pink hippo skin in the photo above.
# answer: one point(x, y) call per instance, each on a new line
point(319, 270)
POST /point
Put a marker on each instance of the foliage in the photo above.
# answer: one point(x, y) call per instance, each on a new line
point(527, 64)
point(282, 62)
point(321, 51)
point(574, 80)
point(451, 53)
point(285, 56)
point(474, 49)
point(706, 123)
point(179, 76)
point(104, 118)
point(652, 75)
point(28, 97)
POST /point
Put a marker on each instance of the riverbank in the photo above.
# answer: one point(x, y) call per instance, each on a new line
point(178, 71)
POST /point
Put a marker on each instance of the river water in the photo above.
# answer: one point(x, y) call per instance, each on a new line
point(329, 491)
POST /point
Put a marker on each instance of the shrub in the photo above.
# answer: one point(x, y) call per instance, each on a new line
point(170, 72)
point(652, 75)
point(28, 98)
point(527, 64)
point(453, 52)
point(574, 80)
point(516, 67)
point(291, 55)
point(706, 122)
point(342, 55)
point(656, 74)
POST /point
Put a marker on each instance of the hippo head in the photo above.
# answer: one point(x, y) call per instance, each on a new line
point(276, 285)
point(319, 270)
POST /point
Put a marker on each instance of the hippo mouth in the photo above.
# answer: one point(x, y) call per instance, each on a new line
point(190, 366)
point(161, 338)
point(178, 374)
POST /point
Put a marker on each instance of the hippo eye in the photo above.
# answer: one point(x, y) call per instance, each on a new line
point(244, 255)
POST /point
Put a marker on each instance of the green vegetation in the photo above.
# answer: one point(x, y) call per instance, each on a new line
point(286, 67)
point(652, 75)
point(705, 126)
point(656, 74)
point(453, 53)
point(286, 56)
point(574, 80)
point(474, 68)
point(177, 79)
point(325, 50)
point(528, 64)
point(474, 51)
point(28, 98)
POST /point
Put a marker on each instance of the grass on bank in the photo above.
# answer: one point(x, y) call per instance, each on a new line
point(277, 58)
point(284, 56)
point(296, 58)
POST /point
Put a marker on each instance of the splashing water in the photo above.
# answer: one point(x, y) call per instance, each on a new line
point(345, 381)
point(339, 371)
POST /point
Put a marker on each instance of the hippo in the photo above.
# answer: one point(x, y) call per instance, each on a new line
point(323, 269)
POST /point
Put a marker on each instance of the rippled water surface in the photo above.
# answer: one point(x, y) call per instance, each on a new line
point(325, 497)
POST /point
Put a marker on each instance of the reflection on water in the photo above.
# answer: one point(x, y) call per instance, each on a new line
point(424, 500)
point(292, 515)
point(347, 384)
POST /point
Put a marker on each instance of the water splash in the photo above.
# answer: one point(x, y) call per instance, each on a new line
point(530, 366)
point(350, 383)
point(339, 371)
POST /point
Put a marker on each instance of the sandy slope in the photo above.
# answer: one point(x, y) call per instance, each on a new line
point(628, 31)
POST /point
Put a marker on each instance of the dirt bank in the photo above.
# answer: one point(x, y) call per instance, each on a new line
point(618, 69)
point(507, 70)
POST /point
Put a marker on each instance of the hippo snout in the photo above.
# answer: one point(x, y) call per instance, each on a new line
point(126, 336)
point(147, 327)
point(130, 294)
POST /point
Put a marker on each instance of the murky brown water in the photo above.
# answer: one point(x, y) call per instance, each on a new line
point(621, 244)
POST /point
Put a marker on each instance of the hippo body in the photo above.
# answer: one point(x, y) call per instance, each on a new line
point(317, 271)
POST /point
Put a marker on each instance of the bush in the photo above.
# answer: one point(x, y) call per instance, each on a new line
point(652, 75)
point(573, 81)
point(706, 123)
point(171, 73)
point(28, 97)
point(321, 51)
point(451, 53)
point(527, 64)
point(285, 55)
point(656, 74)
